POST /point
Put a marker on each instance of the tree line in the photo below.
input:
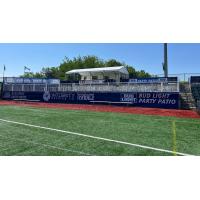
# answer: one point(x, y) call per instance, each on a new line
point(81, 63)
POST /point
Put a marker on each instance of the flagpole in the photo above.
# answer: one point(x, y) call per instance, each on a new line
point(4, 68)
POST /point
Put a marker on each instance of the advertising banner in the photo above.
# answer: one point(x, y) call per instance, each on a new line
point(141, 99)
point(153, 80)
point(31, 80)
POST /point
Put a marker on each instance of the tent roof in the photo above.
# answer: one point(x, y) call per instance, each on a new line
point(120, 69)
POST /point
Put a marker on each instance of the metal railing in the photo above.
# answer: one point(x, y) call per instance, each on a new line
point(106, 87)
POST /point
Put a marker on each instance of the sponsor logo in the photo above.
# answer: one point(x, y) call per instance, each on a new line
point(85, 97)
point(128, 98)
point(62, 96)
point(14, 95)
point(46, 96)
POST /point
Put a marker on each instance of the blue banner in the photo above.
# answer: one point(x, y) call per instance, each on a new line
point(153, 80)
point(140, 99)
point(31, 80)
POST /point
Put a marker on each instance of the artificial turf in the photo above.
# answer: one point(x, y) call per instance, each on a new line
point(145, 130)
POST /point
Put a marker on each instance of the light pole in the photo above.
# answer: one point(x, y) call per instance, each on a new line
point(165, 64)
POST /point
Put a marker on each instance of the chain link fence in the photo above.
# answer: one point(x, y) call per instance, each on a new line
point(183, 77)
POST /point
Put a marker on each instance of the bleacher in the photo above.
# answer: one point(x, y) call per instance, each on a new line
point(106, 79)
point(145, 92)
point(104, 87)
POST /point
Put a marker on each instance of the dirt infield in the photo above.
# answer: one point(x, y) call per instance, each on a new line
point(109, 108)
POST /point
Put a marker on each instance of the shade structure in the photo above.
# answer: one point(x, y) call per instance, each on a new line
point(82, 72)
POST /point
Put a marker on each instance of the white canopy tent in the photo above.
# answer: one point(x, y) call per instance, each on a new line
point(100, 73)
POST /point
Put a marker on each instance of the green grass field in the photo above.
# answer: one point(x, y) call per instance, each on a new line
point(103, 133)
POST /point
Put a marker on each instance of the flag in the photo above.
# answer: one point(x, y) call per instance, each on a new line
point(26, 68)
point(4, 68)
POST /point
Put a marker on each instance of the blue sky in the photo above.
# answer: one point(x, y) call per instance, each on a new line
point(183, 58)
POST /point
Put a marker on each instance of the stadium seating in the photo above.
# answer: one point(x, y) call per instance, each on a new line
point(106, 87)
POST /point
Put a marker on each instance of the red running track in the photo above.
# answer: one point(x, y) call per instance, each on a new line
point(109, 108)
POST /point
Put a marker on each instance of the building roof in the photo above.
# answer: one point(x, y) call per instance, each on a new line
point(120, 69)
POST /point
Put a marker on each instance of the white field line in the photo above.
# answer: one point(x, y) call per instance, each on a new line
point(95, 137)
point(46, 145)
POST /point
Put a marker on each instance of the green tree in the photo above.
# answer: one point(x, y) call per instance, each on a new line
point(132, 72)
point(143, 74)
point(28, 75)
point(79, 62)
point(112, 63)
